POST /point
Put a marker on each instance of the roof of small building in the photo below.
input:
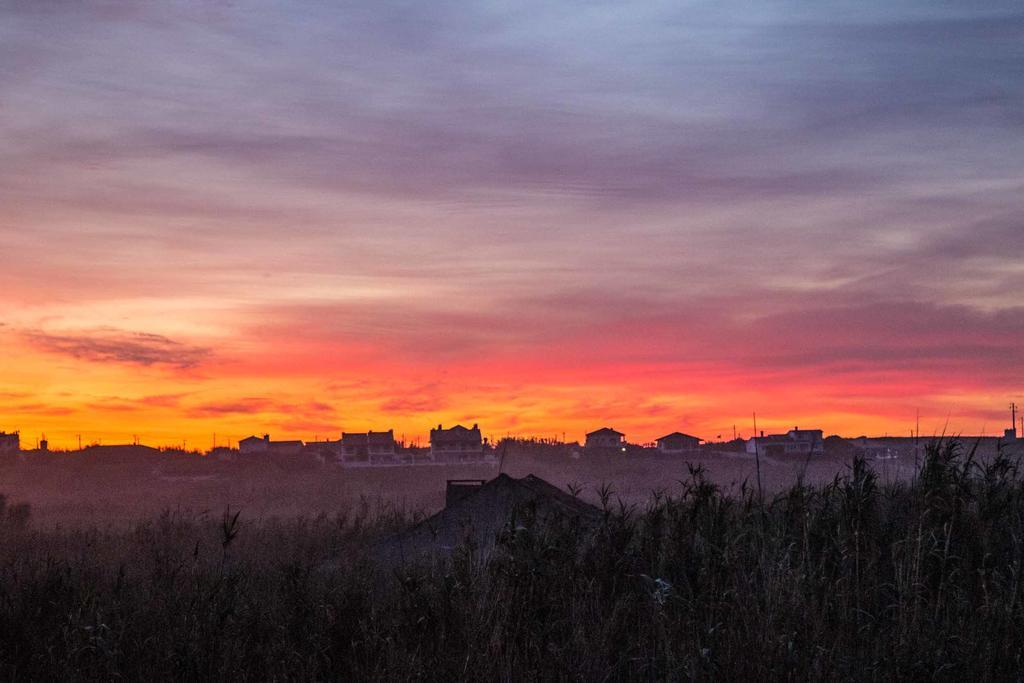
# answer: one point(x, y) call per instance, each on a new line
point(605, 430)
point(678, 435)
point(456, 432)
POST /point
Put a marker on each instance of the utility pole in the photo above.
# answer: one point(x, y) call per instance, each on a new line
point(757, 460)
point(1013, 416)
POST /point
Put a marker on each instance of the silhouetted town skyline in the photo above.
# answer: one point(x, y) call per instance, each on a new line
point(458, 443)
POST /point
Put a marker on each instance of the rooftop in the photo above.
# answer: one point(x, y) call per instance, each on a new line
point(605, 430)
point(678, 435)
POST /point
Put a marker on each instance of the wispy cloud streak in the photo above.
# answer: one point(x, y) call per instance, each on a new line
point(118, 346)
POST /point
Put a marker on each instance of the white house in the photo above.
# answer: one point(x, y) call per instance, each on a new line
point(254, 444)
point(794, 442)
point(368, 446)
point(456, 443)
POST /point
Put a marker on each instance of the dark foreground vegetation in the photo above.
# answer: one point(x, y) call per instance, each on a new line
point(853, 580)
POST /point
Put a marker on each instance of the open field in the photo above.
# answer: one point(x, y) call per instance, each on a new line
point(852, 579)
point(76, 490)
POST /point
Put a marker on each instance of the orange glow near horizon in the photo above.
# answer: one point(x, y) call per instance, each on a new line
point(353, 217)
point(305, 390)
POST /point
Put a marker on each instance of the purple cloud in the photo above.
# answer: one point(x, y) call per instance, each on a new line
point(118, 346)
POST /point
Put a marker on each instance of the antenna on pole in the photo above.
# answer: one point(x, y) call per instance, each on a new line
point(917, 438)
point(501, 460)
point(757, 461)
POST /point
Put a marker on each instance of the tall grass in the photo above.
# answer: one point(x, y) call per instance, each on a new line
point(853, 580)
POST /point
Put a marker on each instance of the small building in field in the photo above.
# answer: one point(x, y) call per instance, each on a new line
point(254, 444)
point(368, 446)
point(10, 442)
point(677, 442)
point(794, 442)
point(286, 447)
point(456, 443)
point(605, 439)
point(475, 514)
point(814, 438)
point(887, 448)
point(323, 450)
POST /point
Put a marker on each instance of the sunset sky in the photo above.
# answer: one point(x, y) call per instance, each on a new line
point(544, 217)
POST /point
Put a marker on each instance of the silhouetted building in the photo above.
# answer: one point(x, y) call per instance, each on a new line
point(323, 450)
point(457, 489)
point(10, 442)
point(254, 444)
point(605, 439)
point(286, 447)
point(794, 442)
point(456, 443)
point(368, 446)
point(886, 448)
point(475, 513)
point(677, 442)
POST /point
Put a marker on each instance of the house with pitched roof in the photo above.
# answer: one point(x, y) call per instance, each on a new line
point(456, 443)
point(368, 447)
point(677, 442)
point(794, 442)
point(605, 439)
